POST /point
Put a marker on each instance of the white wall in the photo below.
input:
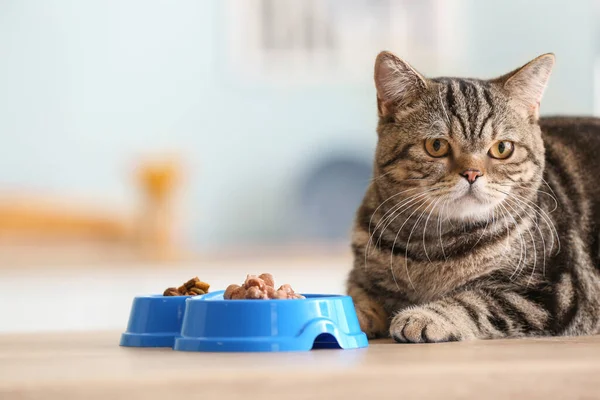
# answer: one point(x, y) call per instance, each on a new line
point(505, 35)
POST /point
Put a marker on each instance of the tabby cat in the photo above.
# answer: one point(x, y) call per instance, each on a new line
point(482, 219)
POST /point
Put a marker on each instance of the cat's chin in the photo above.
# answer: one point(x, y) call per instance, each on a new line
point(470, 207)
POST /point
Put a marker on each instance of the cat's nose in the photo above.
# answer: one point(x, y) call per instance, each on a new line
point(471, 175)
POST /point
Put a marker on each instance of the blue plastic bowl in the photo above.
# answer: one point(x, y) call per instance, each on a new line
point(154, 321)
point(212, 324)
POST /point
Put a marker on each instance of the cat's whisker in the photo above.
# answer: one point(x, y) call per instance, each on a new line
point(522, 240)
point(524, 187)
point(390, 215)
point(425, 228)
point(371, 221)
point(423, 201)
point(523, 248)
point(524, 207)
point(534, 249)
point(554, 194)
point(387, 221)
point(493, 216)
point(385, 201)
point(374, 179)
point(505, 215)
point(505, 219)
point(373, 215)
point(543, 215)
point(388, 218)
point(546, 219)
point(408, 240)
point(440, 230)
point(482, 233)
point(448, 215)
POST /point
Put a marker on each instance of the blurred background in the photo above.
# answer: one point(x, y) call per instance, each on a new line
point(146, 142)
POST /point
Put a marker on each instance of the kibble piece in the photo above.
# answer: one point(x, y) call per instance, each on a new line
point(271, 292)
point(268, 279)
point(289, 292)
point(229, 291)
point(260, 287)
point(254, 292)
point(193, 287)
point(171, 292)
point(191, 283)
point(252, 280)
point(239, 293)
point(202, 286)
point(286, 288)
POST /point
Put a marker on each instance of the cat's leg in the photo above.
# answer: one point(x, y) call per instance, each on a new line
point(472, 314)
point(373, 319)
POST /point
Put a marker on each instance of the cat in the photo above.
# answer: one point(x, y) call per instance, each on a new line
point(482, 219)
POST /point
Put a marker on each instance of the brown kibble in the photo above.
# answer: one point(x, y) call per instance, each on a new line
point(192, 287)
point(239, 293)
point(254, 292)
point(229, 291)
point(286, 292)
point(171, 292)
point(253, 281)
point(286, 288)
point(268, 279)
point(271, 292)
point(191, 283)
point(202, 286)
point(261, 287)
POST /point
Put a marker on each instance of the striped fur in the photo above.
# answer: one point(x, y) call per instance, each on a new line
point(520, 256)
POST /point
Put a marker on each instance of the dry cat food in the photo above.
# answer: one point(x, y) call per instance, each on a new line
point(260, 287)
point(193, 287)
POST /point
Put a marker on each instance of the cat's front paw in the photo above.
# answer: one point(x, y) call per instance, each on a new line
point(420, 325)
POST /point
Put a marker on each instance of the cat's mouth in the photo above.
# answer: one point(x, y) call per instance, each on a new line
point(477, 191)
point(472, 197)
point(474, 193)
point(471, 192)
point(471, 206)
point(477, 195)
point(472, 202)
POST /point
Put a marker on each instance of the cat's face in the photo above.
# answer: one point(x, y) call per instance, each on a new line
point(462, 147)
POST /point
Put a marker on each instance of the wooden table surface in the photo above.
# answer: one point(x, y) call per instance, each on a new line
point(93, 366)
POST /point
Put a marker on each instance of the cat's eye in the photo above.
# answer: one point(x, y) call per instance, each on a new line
point(437, 147)
point(501, 150)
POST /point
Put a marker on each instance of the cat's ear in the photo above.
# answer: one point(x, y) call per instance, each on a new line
point(397, 83)
point(526, 85)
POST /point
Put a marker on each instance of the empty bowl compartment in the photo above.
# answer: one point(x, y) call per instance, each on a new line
point(154, 321)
